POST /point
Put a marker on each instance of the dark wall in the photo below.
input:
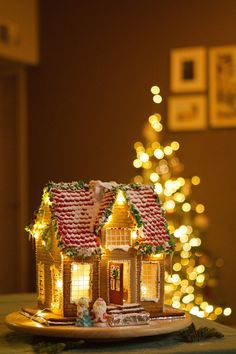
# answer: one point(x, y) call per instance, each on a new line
point(90, 96)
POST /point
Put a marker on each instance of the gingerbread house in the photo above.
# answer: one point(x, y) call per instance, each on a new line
point(99, 239)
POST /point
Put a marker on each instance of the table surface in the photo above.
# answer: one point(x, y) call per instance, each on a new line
point(11, 342)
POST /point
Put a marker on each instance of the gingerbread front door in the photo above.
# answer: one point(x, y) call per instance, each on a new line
point(116, 290)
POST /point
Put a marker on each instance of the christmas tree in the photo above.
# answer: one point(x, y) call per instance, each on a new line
point(193, 273)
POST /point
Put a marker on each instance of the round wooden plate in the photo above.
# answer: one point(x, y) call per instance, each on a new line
point(20, 323)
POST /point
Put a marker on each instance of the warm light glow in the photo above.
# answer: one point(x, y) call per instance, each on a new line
point(218, 311)
point(154, 177)
point(200, 208)
point(168, 150)
point(155, 90)
point(227, 311)
point(159, 154)
point(83, 282)
point(195, 180)
point(209, 308)
point(149, 275)
point(179, 197)
point(80, 281)
point(137, 145)
point(143, 290)
point(144, 157)
point(181, 181)
point(134, 234)
point(200, 268)
point(186, 207)
point(195, 242)
point(109, 219)
point(120, 198)
point(176, 304)
point(75, 267)
point(147, 165)
point(59, 283)
point(186, 246)
point(177, 267)
point(138, 179)
point(39, 313)
point(36, 234)
point(169, 205)
point(157, 99)
point(157, 126)
point(159, 165)
point(158, 188)
point(200, 278)
point(174, 145)
point(137, 163)
point(158, 255)
point(47, 200)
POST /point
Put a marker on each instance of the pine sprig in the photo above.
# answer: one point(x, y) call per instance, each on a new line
point(191, 334)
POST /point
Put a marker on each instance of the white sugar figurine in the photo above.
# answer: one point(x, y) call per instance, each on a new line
point(99, 312)
point(83, 319)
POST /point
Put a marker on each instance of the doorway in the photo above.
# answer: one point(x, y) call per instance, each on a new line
point(119, 282)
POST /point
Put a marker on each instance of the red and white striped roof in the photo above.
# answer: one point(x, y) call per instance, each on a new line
point(81, 212)
point(154, 228)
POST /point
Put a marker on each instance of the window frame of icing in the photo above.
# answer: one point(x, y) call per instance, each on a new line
point(158, 281)
point(110, 246)
point(74, 299)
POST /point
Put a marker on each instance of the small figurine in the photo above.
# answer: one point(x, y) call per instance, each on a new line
point(99, 312)
point(83, 318)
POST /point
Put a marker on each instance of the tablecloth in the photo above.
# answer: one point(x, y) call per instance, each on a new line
point(11, 342)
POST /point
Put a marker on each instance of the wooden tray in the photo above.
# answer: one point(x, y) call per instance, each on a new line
point(20, 323)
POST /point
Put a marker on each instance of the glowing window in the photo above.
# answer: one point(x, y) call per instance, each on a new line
point(80, 281)
point(149, 281)
point(41, 282)
point(116, 237)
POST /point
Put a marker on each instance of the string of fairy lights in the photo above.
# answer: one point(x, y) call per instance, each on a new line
point(193, 271)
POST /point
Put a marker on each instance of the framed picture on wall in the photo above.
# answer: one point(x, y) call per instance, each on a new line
point(222, 95)
point(188, 69)
point(187, 113)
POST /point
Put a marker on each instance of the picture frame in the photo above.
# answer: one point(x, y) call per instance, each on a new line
point(222, 88)
point(187, 113)
point(188, 70)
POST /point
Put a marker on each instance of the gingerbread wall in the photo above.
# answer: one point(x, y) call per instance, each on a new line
point(48, 258)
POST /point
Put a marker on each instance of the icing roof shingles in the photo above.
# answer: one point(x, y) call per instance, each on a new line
point(80, 214)
point(73, 210)
point(154, 228)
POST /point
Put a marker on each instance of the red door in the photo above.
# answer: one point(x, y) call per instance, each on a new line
point(116, 292)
